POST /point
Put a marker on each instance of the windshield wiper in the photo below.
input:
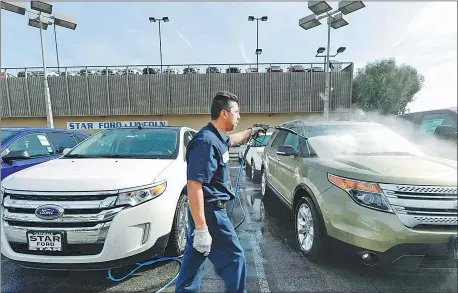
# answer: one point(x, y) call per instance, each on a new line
point(77, 156)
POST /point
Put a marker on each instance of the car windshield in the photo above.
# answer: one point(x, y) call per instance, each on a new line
point(331, 141)
point(157, 143)
point(5, 134)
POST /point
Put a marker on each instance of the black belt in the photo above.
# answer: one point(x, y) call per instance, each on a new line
point(219, 204)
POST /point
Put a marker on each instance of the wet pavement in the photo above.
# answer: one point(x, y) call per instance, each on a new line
point(273, 260)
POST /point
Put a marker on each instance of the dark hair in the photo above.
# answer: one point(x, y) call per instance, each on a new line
point(221, 101)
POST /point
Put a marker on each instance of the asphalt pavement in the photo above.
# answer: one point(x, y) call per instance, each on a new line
point(274, 264)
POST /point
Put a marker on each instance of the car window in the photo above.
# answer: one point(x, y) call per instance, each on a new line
point(62, 140)
point(6, 133)
point(187, 138)
point(279, 139)
point(292, 140)
point(430, 122)
point(80, 136)
point(36, 145)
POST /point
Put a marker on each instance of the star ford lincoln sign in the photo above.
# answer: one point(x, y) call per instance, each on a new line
point(113, 124)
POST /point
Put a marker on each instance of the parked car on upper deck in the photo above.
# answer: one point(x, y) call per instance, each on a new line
point(26, 147)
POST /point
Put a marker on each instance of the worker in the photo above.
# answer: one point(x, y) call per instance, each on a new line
point(211, 233)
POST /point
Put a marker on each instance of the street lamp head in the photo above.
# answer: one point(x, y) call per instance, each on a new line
point(165, 19)
point(309, 22)
point(341, 49)
point(320, 50)
point(338, 21)
point(347, 7)
point(34, 21)
point(65, 21)
point(250, 18)
point(152, 19)
point(264, 18)
point(15, 7)
point(42, 6)
point(258, 51)
point(319, 7)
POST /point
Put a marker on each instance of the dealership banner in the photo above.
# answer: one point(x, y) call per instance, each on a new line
point(112, 124)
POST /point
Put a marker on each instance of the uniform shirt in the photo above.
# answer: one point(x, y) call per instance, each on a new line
point(208, 162)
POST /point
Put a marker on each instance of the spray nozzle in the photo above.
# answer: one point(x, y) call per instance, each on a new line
point(263, 126)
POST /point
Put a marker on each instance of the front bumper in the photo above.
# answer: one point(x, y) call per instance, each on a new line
point(383, 234)
point(134, 234)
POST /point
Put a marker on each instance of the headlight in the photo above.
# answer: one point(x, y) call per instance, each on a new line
point(138, 196)
point(364, 193)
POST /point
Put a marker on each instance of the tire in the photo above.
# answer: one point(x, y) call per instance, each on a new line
point(247, 170)
point(265, 189)
point(179, 232)
point(254, 173)
point(313, 246)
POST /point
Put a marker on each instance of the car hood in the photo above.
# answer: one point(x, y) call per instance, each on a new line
point(392, 169)
point(87, 175)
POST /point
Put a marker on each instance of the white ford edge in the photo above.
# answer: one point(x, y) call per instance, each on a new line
point(115, 199)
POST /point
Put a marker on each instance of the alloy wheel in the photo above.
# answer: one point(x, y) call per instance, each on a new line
point(305, 230)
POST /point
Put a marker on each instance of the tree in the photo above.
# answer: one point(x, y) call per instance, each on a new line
point(385, 87)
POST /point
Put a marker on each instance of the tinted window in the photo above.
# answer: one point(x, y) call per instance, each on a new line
point(130, 143)
point(35, 144)
point(430, 122)
point(279, 139)
point(262, 140)
point(5, 134)
point(80, 136)
point(292, 140)
point(62, 140)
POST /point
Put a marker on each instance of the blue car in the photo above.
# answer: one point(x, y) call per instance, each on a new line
point(26, 147)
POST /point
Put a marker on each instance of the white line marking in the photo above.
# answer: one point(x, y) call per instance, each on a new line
point(257, 255)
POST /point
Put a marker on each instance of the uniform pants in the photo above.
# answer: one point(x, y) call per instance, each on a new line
point(226, 255)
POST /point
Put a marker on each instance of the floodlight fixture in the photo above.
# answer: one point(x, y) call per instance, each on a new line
point(319, 7)
point(309, 22)
point(16, 7)
point(347, 7)
point(41, 6)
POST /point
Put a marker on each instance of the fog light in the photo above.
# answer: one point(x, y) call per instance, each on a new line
point(146, 229)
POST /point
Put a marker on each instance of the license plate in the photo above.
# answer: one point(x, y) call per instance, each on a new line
point(454, 247)
point(44, 240)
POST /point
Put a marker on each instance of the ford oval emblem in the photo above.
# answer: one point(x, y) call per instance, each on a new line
point(49, 212)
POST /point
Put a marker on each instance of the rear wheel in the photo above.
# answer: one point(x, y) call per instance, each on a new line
point(178, 235)
point(265, 189)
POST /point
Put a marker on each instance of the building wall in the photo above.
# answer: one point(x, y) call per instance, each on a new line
point(193, 121)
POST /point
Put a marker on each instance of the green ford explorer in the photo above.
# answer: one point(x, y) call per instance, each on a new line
point(365, 186)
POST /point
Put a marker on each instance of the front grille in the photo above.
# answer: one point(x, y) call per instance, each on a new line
point(35, 197)
point(423, 206)
point(85, 220)
point(68, 249)
point(51, 224)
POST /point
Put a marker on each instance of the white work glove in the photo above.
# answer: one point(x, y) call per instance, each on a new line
point(202, 241)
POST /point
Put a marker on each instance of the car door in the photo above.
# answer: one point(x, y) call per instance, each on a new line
point(287, 167)
point(39, 148)
point(62, 140)
point(272, 158)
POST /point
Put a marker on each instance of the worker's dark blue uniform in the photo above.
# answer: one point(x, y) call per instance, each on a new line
point(208, 162)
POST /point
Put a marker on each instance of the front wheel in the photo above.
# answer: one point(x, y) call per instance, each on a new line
point(178, 235)
point(309, 236)
point(265, 189)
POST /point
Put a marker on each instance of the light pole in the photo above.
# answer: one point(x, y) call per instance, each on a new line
point(164, 19)
point(38, 17)
point(258, 51)
point(335, 19)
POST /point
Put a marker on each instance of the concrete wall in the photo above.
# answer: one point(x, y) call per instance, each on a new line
point(169, 94)
point(193, 121)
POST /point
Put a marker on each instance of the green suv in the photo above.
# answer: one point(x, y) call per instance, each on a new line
point(364, 185)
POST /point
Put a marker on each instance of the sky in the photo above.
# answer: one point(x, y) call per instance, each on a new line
point(420, 34)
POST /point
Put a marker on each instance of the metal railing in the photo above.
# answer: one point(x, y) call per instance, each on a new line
point(104, 90)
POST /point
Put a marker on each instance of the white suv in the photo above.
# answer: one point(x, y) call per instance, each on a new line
point(115, 199)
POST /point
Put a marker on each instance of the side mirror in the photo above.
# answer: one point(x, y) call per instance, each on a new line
point(15, 155)
point(286, 150)
point(65, 151)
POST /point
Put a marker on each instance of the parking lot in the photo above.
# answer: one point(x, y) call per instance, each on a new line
point(274, 264)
